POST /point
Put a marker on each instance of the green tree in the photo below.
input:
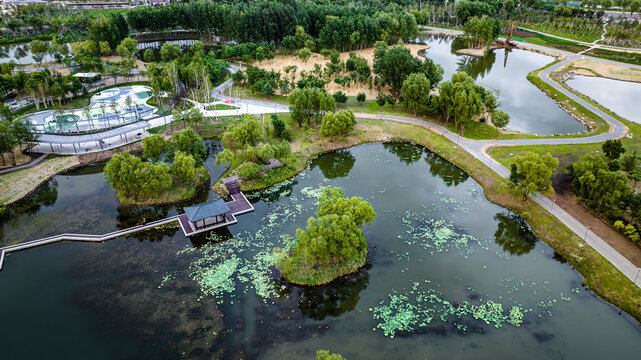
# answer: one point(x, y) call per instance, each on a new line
point(304, 54)
point(500, 120)
point(629, 162)
point(248, 170)
point(120, 172)
point(634, 6)
point(605, 191)
point(416, 92)
point(268, 90)
point(613, 149)
point(340, 97)
point(225, 157)
point(247, 132)
point(481, 31)
point(309, 102)
point(360, 97)
point(153, 179)
point(183, 167)
point(154, 146)
point(188, 141)
point(381, 99)
point(394, 65)
point(197, 47)
point(148, 55)
point(104, 47)
point(334, 236)
point(340, 123)
point(127, 47)
point(325, 355)
point(194, 117)
point(169, 51)
point(279, 126)
point(7, 141)
point(531, 173)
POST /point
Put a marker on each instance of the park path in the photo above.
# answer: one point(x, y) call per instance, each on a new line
point(479, 149)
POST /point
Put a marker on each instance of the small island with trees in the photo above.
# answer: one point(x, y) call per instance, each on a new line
point(169, 171)
point(333, 244)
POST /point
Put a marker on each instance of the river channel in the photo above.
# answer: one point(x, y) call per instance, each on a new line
point(449, 275)
point(530, 110)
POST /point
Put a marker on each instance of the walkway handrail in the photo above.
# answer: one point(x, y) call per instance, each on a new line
point(82, 237)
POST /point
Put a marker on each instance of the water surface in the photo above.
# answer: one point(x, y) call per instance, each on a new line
point(622, 97)
point(442, 259)
point(505, 71)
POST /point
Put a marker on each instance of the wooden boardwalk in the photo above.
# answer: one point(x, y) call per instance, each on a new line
point(82, 237)
point(239, 205)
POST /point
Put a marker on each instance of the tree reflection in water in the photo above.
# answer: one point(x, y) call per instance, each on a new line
point(336, 298)
point(448, 172)
point(335, 164)
point(514, 234)
point(407, 152)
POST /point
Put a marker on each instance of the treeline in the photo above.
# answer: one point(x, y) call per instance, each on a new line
point(604, 182)
point(336, 26)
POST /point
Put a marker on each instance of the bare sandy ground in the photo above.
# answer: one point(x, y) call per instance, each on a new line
point(280, 62)
point(599, 69)
point(20, 158)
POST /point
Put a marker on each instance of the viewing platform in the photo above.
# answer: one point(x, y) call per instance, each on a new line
point(215, 214)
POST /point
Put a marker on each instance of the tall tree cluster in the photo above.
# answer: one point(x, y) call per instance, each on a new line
point(337, 26)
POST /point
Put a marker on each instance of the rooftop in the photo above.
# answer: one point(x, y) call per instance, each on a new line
point(206, 210)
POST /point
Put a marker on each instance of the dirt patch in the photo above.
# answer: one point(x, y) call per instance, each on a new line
point(62, 71)
point(565, 199)
point(280, 62)
point(138, 65)
point(600, 69)
point(20, 158)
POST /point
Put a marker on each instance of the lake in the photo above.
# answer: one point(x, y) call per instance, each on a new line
point(449, 275)
point(505, 71)
point(622, 97)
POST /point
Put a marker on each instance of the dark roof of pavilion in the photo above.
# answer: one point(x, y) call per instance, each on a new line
point(206, 210)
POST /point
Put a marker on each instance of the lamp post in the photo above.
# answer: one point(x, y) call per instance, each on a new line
point(587, 228)
point(637, 275)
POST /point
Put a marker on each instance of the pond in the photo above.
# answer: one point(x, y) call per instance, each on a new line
point(622, 97)
point(21, 54)
point(449, 275)
point(530, 110)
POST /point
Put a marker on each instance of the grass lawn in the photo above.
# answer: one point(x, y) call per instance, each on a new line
point(221, 107)
point(553, 31)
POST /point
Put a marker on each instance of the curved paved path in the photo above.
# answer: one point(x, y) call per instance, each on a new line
point(478, 149)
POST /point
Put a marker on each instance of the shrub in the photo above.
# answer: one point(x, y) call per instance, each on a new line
point(248, 170)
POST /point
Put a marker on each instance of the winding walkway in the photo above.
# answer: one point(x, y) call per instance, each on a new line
point(479, 149)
